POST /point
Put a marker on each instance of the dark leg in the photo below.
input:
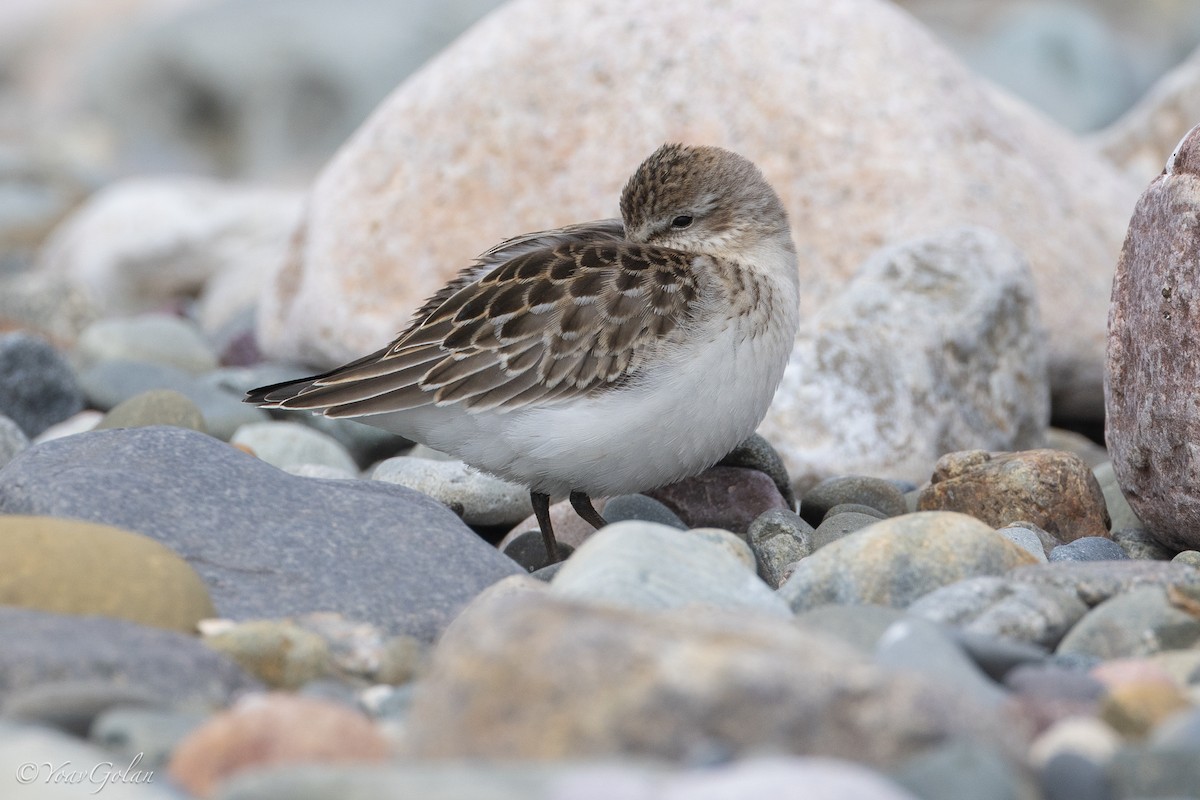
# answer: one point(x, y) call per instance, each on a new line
point(583, 507)
point(541, 510)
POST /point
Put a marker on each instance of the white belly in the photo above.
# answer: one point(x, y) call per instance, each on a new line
point(684, 417)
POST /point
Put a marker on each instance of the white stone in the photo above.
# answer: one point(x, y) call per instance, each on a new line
point(654, 567)
point(935, 346)
point(484, 500)
point(289, 444)
point(144, 242)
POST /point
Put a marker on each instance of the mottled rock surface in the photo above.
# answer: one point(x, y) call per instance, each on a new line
point(1152, 383)
point(1052, 489)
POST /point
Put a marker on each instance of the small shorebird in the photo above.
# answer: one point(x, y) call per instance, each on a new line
point(598, 359)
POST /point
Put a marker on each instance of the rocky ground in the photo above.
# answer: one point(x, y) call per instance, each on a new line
point(908, 586)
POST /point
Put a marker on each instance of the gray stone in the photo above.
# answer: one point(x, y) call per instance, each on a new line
point(155, 338)
point(484, 500)
point(874, 492)
point(110, 383)
point(1119, 510)
point(46, 750)
point(996, 655)
point(367, 444)
point(1025, 538)
point(529, 550)
point(756, 453)
point(155, 407)
point(1088, 548)
point(1137, 623)
point(1096, 581)
point(895, 561)
point(641, 507)
point(779, 538)
point(1071, 776)
point(72, 705)
point(1181, 730)
point(961, 770)
point(920, 646)
point(995, 606)
point(152, 733)
point(837, 526)
point(268, 544)
point(1159, 773)
point(934, 346)
point(288, 444)
point(176, 671)
point(1138, 543)
point(648, 566)
point(12, 440)
point(37, 386)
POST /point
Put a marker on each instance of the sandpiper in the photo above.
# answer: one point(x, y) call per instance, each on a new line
point(601, 358)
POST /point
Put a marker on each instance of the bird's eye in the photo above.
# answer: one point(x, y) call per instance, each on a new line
point(681, 222)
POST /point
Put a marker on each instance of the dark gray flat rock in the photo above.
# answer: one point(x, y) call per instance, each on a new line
point(267, 544)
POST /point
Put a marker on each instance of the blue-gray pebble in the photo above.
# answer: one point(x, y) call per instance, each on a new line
point(37, 385)
point(1089, 548)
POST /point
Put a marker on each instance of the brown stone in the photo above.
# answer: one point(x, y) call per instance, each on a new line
point(265, 730)
point(525, 675)
point(721, 497)
point(1152, 386)
point(1052, 489)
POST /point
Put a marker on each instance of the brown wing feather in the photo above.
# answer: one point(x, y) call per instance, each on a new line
point(559, 314)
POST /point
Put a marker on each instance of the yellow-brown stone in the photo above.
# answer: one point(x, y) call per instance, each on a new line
point(75, 567)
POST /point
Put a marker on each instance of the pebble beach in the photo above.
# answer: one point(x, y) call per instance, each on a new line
point(959, 559)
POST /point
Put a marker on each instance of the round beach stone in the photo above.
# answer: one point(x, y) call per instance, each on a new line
point(920, 646)
point(1190, 558)
point(1138, 543)
point(1152, 385)
point(1025, 538)
point(150, 732)
point(998, 607)
point(779, 538)
point(280, 654)
point(289, 444)
point(962, 770)
point(757, 453)
point(37, 386)
point(612, 567)
point(156, 338)
point(1096, 581)
point(721, 497)
point(895, 561)
point(530, 675)
point(1136, 623)
point(1089, 548)
point(155, 407)
point(484, 499)
point(529, 550)
point(265, 730)
point(1050, 488)
point(165, 668)
point(641, 507)
point(837, 526)
point(877, 493)
point(74, 567)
